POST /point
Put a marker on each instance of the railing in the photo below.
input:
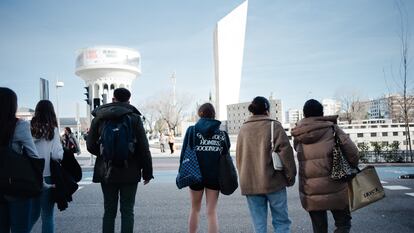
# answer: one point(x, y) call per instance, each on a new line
point(385, 157)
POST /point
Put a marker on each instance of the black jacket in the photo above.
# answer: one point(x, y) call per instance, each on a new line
point(138, 165)
point(209, 142)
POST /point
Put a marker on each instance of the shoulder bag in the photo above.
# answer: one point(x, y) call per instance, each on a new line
point(189, 172)
point(227, 172)
point(20, 175)
point(341, 169)
point(277, 163)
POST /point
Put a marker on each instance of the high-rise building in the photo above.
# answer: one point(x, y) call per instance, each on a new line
point(391, 107)
point(237, 114)
point(229, 37)
point(331, 107)
point(293, 116)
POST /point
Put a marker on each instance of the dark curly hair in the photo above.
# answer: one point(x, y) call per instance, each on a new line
point(44, 121)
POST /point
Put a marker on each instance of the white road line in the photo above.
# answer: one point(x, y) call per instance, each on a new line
point(84, 182)
point(80, 187)
point(410, 194)
point(384, 182)
point(395, 187)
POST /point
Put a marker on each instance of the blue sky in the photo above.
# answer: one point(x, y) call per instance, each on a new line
point(295, 49)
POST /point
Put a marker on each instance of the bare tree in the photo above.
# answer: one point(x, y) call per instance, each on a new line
point(172, 113)
point(150, 115)
point(403, 82)
point(352, 105)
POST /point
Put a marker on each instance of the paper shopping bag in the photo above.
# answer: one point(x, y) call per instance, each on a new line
point(365, 188)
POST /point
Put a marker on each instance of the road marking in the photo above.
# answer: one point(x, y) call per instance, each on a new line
point(84, 183)
point(80, 187)
point(410, 194)
point(384, 182)
point(395, 187)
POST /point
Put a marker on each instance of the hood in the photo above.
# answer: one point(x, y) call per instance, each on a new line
point(310, 130)
point(114, 110)
point(207, 127)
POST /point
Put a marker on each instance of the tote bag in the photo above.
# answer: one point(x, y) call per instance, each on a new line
point(364, 189)
point(20, 175)
point(227, 173)
point(189, 172)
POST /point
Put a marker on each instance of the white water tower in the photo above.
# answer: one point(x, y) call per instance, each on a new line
point(105, 68)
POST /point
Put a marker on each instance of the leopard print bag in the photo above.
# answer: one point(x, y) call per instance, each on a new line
point(341, 169)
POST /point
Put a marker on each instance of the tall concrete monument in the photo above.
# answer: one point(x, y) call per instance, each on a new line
point(229, 38)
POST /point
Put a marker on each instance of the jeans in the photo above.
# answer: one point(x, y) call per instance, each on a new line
point(320, 221)
point(278, 207)
point(15, 214)
point(44, 206)
point(126, 192)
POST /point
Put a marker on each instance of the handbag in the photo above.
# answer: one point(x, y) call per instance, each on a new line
point(277, 163)
point(227, 172)
point(20, 175)
point(189, 172)
point(341, 169)
point(365, 188)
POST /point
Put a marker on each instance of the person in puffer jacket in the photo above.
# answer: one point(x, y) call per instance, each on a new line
point(314, 143)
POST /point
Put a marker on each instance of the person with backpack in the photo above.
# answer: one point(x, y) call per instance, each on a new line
point(46, 138)
point(117, 138)
point(15, 212)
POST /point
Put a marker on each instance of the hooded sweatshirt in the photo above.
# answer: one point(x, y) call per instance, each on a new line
point(141, 162)
point(314, 142)
point(209, 142)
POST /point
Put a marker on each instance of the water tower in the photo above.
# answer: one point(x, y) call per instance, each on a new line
point(104, 68)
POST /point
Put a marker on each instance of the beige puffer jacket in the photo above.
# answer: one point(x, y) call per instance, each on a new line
point(314, 142)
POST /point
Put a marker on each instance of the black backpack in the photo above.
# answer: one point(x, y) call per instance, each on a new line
point(117, 141)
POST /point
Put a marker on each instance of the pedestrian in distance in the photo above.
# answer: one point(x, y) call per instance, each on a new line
point(209, 143)
point(119, 165)
point(259, 181)
point(47, 141)
point(162, 141)
point(70, 142)
point(15, 212)
point(171, 141)
point(314, 142)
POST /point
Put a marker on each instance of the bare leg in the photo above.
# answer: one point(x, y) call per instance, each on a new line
point(196, 197)
point(211, 201)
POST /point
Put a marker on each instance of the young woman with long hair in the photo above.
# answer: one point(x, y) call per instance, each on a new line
point(46, 138)
point(15, 212)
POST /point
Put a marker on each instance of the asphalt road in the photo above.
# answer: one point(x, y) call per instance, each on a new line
point(161, 207)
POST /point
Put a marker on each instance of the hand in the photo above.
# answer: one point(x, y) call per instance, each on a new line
point(146, 182)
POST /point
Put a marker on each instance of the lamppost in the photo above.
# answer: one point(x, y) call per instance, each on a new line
point(58, 84)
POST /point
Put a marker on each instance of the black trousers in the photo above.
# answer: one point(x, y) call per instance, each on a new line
point(171, 147)
point(320, 221)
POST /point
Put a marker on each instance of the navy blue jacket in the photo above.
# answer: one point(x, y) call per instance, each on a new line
point(209, 142)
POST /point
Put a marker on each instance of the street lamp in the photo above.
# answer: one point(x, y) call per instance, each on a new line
point(58, 84)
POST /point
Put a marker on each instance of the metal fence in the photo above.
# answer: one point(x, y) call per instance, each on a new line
point(385, 157)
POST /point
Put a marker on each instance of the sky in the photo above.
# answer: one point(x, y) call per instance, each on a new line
point(295, 50)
